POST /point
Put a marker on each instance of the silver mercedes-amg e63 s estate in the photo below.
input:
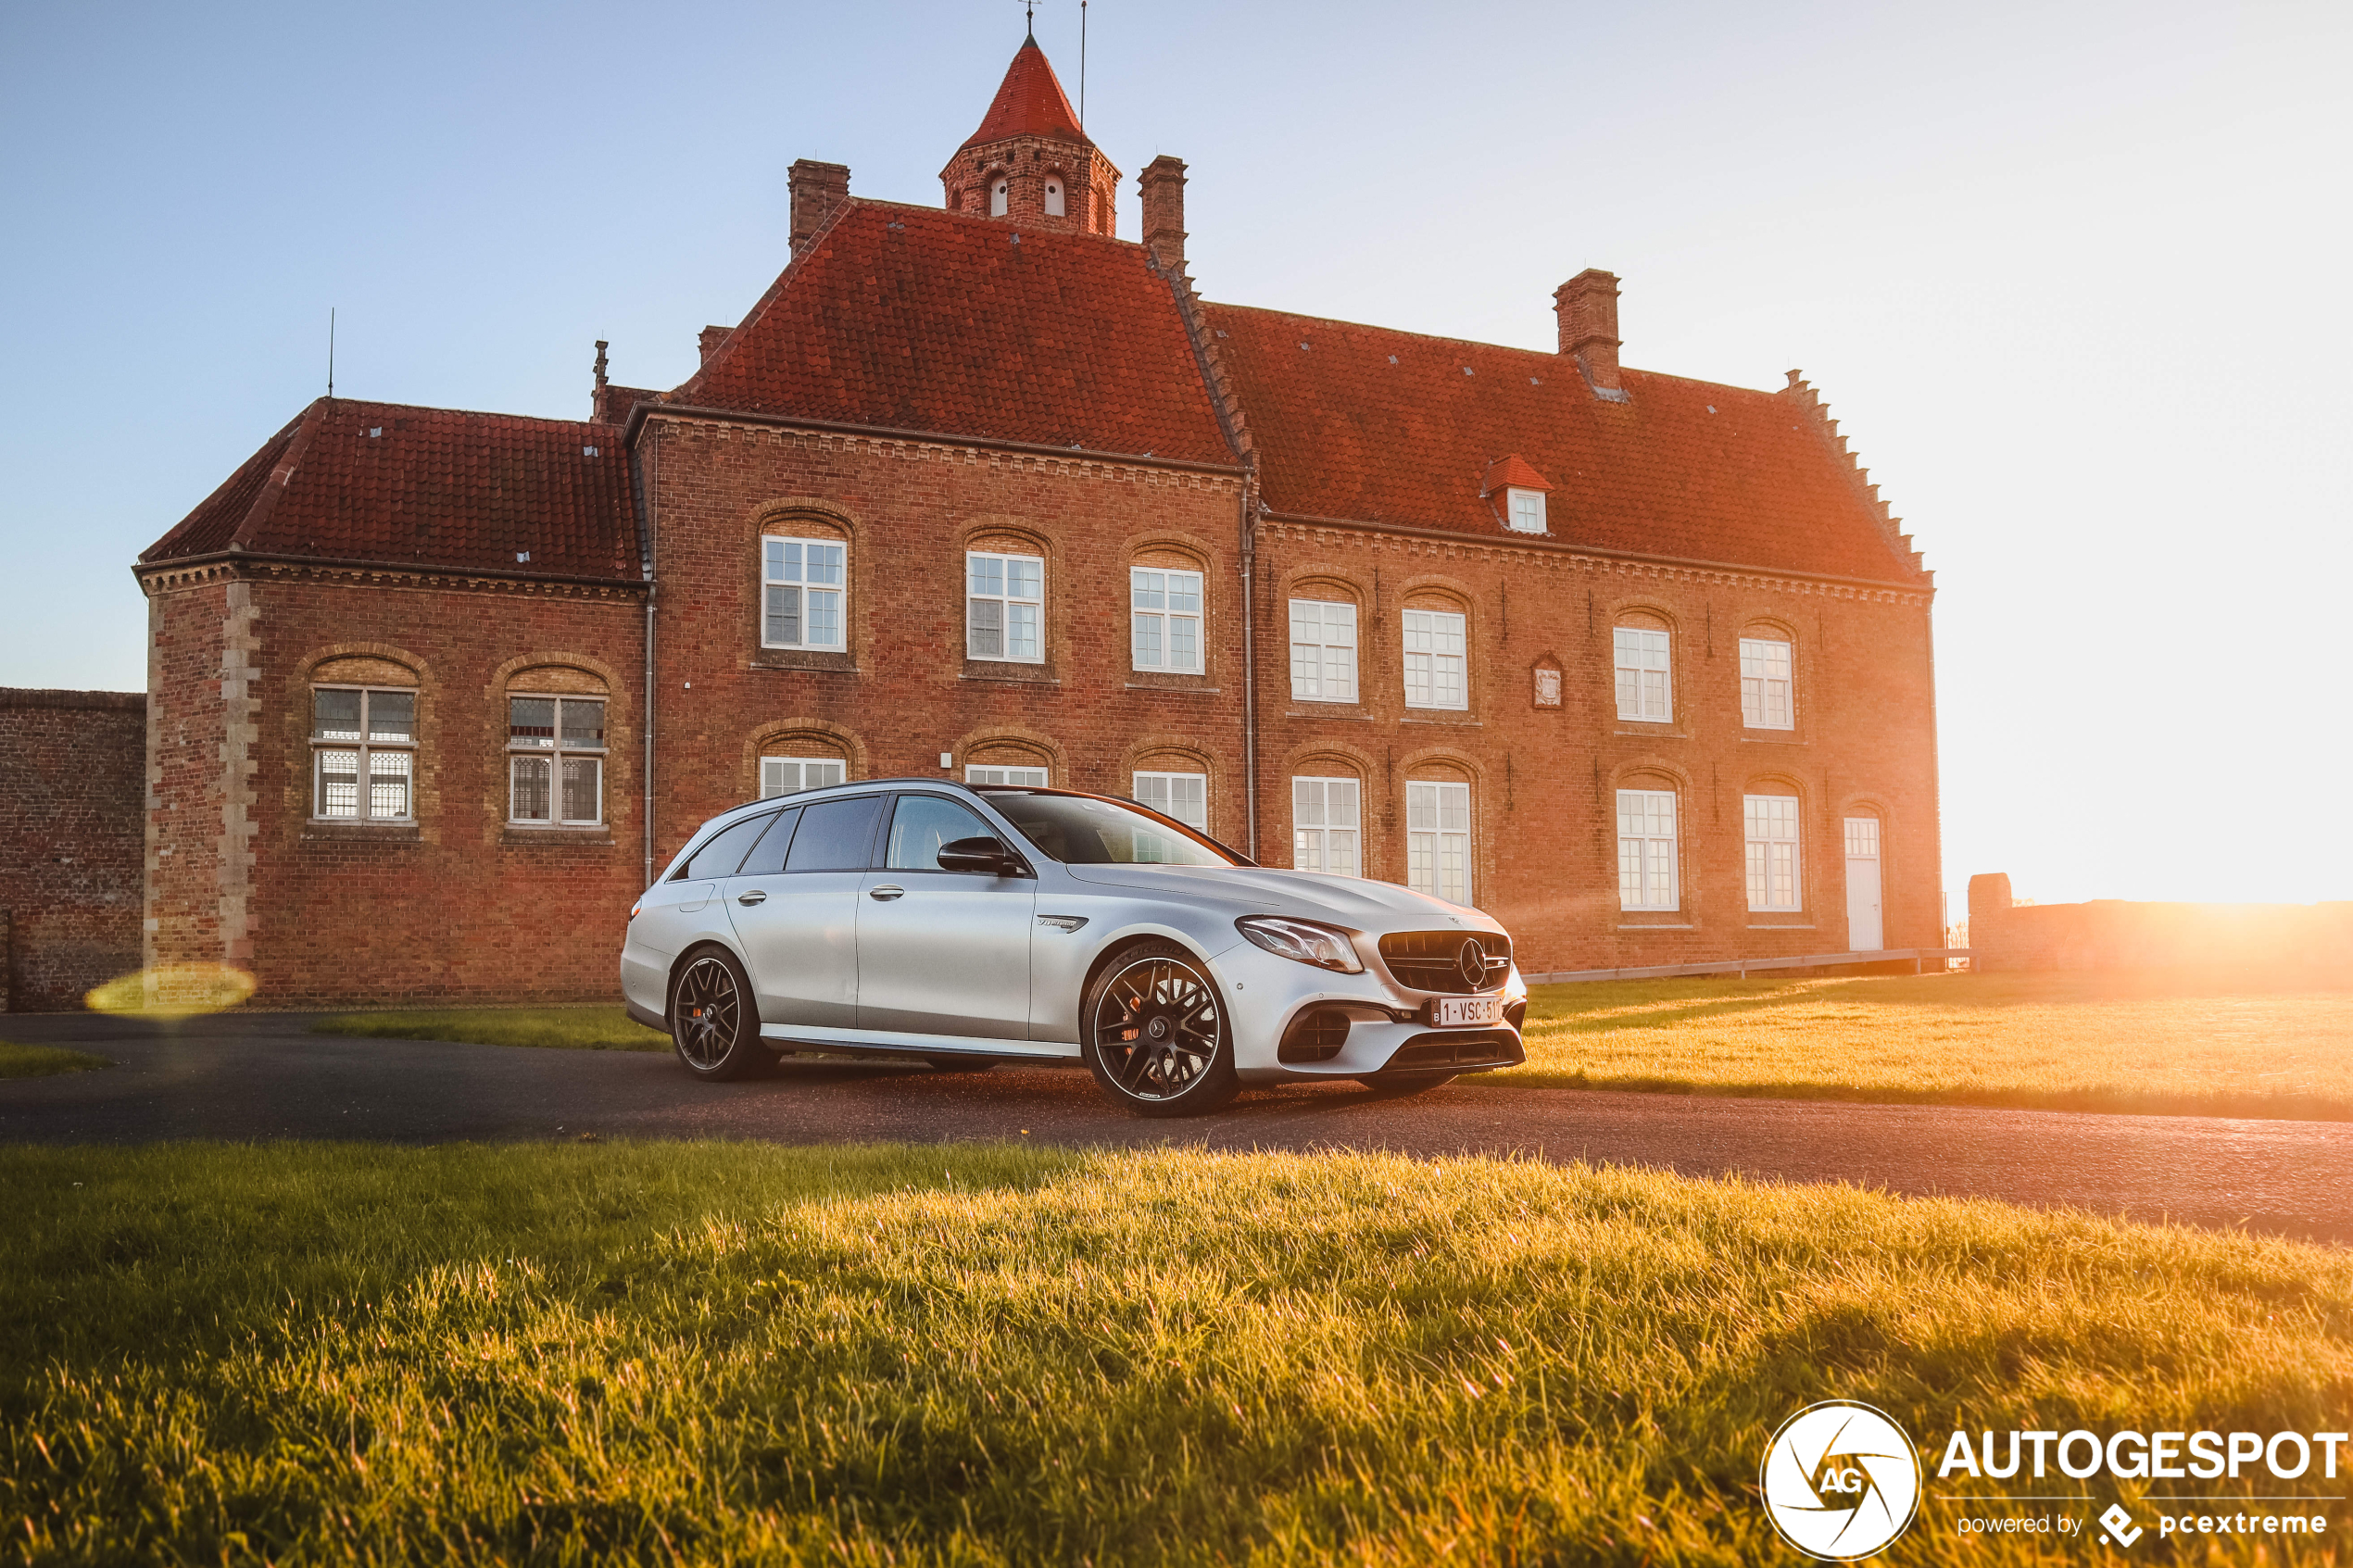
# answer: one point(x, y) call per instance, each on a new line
point(967, 926)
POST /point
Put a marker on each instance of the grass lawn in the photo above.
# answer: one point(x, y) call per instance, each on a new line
point(980, 1355)
point(43, 1061)
point(2068, 1042)
point(577, 1028)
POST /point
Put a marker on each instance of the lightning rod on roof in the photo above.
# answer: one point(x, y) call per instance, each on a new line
point(1082, 65)
point(331, 351)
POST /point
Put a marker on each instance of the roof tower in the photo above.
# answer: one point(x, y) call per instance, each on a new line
point(1030, 161)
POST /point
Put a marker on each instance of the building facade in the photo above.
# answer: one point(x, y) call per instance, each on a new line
point(1638, 663)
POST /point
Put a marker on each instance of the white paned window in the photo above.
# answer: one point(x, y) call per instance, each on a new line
point(1644, 690)
point(802, 589)
point(1182, 795)
point(1862, 838)
point(1434, 676)
point(363, 753)
point(1772, 851)
point(1325, 816)
point(1166, 618)
point(1526, 511)
point(556, 761)
point(1765, 685)
point(790, 775)
point(1438, 840)
point(1004, 608)
point(1323, 651)
point(1646, 878)
point(1029, 778)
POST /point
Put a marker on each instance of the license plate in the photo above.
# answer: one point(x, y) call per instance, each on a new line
point(1454, 1013)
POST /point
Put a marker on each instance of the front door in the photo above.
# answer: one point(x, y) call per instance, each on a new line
point(1864, 931)
point(794, 905)
point(942, 952)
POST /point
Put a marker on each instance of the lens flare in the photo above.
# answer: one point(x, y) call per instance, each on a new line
point(178, 990)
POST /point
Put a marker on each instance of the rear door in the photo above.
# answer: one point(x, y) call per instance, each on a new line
point(795, 905)
point(942, 952)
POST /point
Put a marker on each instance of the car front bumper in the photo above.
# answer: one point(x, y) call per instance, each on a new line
point(1388, 1033)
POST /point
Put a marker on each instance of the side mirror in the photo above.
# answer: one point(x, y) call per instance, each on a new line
point(981, 853)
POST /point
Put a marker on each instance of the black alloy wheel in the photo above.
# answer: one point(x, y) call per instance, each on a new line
point(712, 1020)
point(1155, 1033)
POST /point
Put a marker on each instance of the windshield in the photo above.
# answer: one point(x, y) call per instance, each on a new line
point(1084, 830)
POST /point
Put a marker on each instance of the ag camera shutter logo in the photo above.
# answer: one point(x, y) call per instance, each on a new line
point(1840, 1481)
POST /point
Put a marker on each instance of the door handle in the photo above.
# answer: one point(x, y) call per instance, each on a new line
point(886, 892)
point(754, 897)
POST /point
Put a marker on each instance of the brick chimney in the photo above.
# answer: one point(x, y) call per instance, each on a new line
point(1162, 182)
point(710, 340)
point(817, 189)
point(1588, 308)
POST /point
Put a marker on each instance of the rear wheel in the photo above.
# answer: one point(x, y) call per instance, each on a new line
point(712, 1020)
point(1155, 1034)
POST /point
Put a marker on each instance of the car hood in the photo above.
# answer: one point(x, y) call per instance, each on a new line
point(1354, 902)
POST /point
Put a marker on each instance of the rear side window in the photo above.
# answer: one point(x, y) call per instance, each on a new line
point(767, 856)
point(922, 825)
point(725, 851)
point(835, 836)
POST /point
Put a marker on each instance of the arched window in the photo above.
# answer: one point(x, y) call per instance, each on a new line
point(1645, 683)
point(1768, 689)
point(1000, 192)
point(1054, 196)
point(804, 579)
point(1323, 649)
point(1437, 835)
point(555, 749)
point(1165, 619)
point(363, 750)
point(1771, 826)
point(1437, 666)
point(1647, 878)
point(1327, 816)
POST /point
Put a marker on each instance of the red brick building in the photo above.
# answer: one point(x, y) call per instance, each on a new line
point(1640, 664)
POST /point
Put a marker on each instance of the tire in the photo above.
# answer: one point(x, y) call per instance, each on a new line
point(962, 1063)
point(1155, 1034)
point(1398, 1088)
point(713, 1021)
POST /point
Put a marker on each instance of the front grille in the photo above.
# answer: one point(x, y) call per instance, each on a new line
point(1315, 1036)
point(1432, 960)
point(1458, 1052)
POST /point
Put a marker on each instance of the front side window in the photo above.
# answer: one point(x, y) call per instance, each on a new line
point(1646, 878)
point(1323, 651)
point(1772, 851)
point(1438, 840)
point(556, 761)
point(922, 823)
point(1325, 816)
point(1527, 510)
point(1643, 692)
point(802, 580)
point(363, 753)
point(1434, 675)
point(1765, 685)
point(1025, 778)
point(790, 775)
point(1004, 606)
point(1166, 619)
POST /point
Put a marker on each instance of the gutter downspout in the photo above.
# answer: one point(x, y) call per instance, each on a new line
point(1250, 657)
point(645, 565)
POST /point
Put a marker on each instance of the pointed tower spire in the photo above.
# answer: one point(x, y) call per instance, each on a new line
point(1029, 160)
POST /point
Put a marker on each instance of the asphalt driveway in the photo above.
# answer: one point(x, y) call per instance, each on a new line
point(260, 1076)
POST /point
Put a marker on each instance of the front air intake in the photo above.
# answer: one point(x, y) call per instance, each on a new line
point(1316, 1034)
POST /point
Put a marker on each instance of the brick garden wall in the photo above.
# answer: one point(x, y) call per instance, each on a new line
point(69, 843)
point(2272, 941)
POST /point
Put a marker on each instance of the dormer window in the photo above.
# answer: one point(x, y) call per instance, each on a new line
point(1516, 490)
point(1000, 194)
point(1053, 197)
point(1524, 509)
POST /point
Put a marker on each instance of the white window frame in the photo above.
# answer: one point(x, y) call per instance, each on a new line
point(1000, 195)
point(364, 751)
point(1772, 828)
point(774, 770)
point(1644, 661)
point(1010, 604)
point(998, 773)
point(1438, 838)
point(1182, 795)
point(780, 573)
point(1056, 200)
point(1318, 842)
point(1644, 851)
point(556, 751)
point(1523, 511)
point(1768, 683)
point(1323, 650)
point(1437, 657)
point(1855, 848)
point(1156, 623)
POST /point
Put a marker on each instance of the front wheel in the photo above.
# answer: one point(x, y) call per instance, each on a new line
point(712, 1020)
point(1155, 1034)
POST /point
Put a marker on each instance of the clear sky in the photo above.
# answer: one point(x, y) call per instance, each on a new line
point(2074, 275)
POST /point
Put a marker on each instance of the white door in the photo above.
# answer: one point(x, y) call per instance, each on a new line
point(1864, 933)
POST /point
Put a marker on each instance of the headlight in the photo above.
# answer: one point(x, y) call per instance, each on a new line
point(1303, 941)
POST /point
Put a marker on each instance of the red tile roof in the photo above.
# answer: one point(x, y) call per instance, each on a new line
point(1511, 472)
point(1372, 425)
point(1029, 102)
point(909, 317)
point(387, 482)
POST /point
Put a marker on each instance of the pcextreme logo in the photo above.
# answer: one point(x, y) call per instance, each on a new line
point(1840, 1481)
